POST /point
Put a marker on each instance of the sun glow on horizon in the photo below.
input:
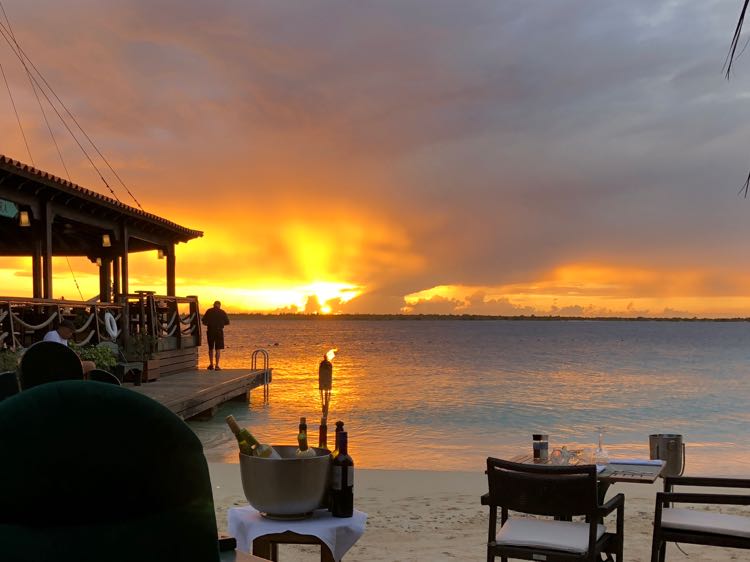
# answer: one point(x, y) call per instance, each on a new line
point(320, 297)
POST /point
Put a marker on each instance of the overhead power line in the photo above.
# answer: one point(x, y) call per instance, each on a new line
point(15, 110)
point(23, 57)
point(4, 32)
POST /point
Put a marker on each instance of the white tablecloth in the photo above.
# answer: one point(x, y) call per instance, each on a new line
point(340, 533)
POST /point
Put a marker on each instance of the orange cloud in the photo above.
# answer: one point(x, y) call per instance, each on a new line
point(596, 290)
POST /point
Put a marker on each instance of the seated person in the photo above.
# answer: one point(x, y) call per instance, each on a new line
point(62, 334)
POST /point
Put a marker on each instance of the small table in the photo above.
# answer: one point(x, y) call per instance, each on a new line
point(335, 535)
point(617, 470)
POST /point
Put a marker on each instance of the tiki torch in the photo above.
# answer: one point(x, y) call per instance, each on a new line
point(325, 383)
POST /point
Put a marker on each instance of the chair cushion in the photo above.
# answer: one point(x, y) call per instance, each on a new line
point(545, 533)
point(706, 522)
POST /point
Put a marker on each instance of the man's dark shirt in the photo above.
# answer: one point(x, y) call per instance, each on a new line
point(215, 319)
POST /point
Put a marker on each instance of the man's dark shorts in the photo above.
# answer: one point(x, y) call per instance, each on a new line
point(215, 339)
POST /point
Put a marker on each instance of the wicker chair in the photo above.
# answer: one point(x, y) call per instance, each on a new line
point(562, 492)
point(697, 526)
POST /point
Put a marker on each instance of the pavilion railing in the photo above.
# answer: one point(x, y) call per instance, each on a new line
point(159, 322)
point(166, 322)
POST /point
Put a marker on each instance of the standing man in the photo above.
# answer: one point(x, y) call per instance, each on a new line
point(215, 319)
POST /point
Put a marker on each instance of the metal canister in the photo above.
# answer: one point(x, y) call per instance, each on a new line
point(540, 443)
point(670, 448)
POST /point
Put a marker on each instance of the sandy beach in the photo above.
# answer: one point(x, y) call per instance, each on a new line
point(421, 516)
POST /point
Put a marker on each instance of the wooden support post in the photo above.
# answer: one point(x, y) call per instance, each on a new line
point(124, 247)
point(116, 277)
point(36, 265)
point(171, 271)
point(46, 249)
point(104, 280)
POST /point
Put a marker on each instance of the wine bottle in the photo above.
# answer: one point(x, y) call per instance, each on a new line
point(342, 480)
point(323, 433)
point(304, 450)
point(249, 445)
point(339, 429)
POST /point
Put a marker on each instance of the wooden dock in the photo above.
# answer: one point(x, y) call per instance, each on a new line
point(191, 393)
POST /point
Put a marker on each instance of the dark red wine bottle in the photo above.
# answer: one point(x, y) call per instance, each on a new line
point(342, 480)
point(339, 429)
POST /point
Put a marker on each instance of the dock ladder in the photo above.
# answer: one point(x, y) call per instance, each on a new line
point(266, 371)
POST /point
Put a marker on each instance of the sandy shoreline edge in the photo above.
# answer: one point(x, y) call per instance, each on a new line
point(421, 516)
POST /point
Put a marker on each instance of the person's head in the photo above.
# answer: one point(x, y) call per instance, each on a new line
point(217, 304)
point(66, 329)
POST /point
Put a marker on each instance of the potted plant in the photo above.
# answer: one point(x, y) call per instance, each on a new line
point(140, 347)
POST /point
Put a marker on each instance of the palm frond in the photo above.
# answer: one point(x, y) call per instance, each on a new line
point(745, 187)
point(735, 41)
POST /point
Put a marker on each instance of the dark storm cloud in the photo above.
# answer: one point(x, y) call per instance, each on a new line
point(507, 137)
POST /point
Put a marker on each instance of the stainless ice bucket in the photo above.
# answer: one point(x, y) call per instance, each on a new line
point(289, 487)
point(669, 448)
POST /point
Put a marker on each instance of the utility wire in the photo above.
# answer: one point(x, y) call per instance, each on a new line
point(4, 33)
point(70, 267)
point(70, 114)
point(46, 121)
point(15, 110)
point(36, 95)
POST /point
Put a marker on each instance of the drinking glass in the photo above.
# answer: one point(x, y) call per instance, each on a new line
point(600, 455)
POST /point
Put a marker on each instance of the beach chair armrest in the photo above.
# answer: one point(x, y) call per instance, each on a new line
point(612, 504)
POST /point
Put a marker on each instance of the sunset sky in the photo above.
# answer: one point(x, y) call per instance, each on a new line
point(515, 157)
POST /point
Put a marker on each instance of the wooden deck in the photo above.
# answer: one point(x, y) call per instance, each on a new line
point(197, 392)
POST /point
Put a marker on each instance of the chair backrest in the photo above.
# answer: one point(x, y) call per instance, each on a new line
point(100, 375)
point(8, 385)
point(93, 471)
point(542, 489)
point(48, 361)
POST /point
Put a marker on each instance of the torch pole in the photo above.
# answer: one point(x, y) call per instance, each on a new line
point(325, 383)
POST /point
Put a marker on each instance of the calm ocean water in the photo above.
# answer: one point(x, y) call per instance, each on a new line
point(445, 394)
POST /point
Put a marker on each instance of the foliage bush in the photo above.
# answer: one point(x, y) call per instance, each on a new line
point(9, 359)
point(104, 357)
point(140, 347)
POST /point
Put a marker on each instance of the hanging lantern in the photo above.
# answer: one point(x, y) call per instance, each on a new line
point(106, 241)
point(23, 219)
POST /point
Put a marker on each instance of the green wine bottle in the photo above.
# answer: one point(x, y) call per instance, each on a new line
point(304, 450)
point(249, 445)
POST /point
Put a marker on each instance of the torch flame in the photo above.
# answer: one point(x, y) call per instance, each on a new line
point(331, 353)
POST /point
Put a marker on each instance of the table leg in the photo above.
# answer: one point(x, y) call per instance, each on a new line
point(268, 548)
point(265, 549)
point(325, 554)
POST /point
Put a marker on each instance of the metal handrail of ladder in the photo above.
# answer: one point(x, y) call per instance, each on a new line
point(266, 371)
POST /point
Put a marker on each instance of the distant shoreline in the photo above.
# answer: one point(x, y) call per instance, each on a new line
point(472, 317)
